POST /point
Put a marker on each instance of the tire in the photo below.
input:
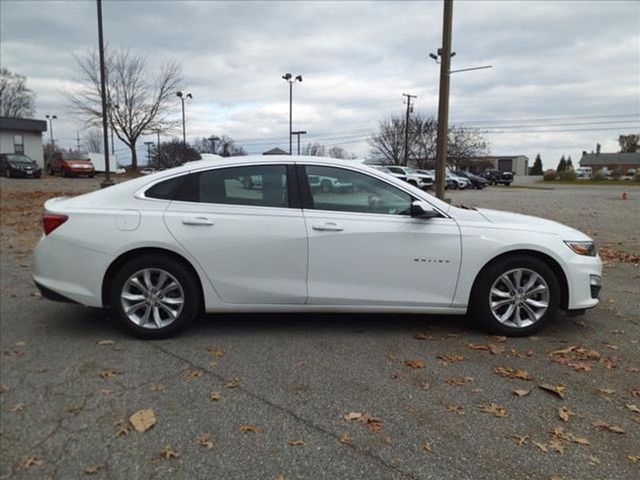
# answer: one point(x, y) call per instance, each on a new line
point(507, 184)
point(188, 291)
point(413, 182)
point(489, 280)
point(325, 186)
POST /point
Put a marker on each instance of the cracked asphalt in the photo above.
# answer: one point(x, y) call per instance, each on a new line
point(294, 377)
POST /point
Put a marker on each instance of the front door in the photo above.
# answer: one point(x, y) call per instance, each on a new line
point(366, 249)
point(239, 225)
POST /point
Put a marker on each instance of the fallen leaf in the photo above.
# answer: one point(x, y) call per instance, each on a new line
point(204, 439)
point(27, 462)
point(280, 477)
point(602, 425)
point(607, 391)
point(121, 427)
point(194, 374)
point(18, 407)
point(247, 428)
point(353, 416)
point(494, 409)
point(593, 460)
point(423, 336)
point(216, 396)
point(143, 420)
point(168, 452)
point(541, 446)
point(106, 391)
point(558, 390)
point(426, 446)
point(93, 469)
point(415, 363)
point(345, 438)
point(105, 342)
point(633, 407)
point(499, 338)
point(478, 346)
point(634, 458)
point(455, 409)
point(521, 392)
point(565, 413)
point(512, 373)
point(216, 351)
point(109, 373)
point(13, 353)
point(522, 440)
point(451, 358)
point(296, 443)
point(458, 380)
point(233, 382)
point(556, 445)
point(20, 343)
point(157, 387)
point(610, 362)
point(496, 349)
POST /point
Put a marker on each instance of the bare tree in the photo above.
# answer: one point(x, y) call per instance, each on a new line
point(388, 143)
point(315, 150)
point(339, 152)
point(227, 147)
point(93, 141)
point(138, 101)
point(465, 143)
point(172, 154)
point(629, 143)
point(16, 99)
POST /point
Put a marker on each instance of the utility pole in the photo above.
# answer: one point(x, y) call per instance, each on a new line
point(213, 139)
point(443, 107)
point(406, 127)
point(78, 139)
point(103, 93)
point(298, 133)
point(148, 144)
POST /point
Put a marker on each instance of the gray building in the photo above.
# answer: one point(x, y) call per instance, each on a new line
point(23, 135)
point(518, 164)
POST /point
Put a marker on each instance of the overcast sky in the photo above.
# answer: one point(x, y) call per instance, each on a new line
point(565, 75)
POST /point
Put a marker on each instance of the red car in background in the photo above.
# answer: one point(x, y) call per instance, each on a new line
point(72, 164)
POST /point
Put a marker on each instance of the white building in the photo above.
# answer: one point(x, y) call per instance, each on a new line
point(23, 135)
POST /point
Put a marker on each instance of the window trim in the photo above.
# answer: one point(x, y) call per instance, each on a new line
point(307, 198)
point(15, 145)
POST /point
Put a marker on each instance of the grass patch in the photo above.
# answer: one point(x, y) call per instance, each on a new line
point(620, 183)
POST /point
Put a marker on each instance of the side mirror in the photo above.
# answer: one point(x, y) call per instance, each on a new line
point(423, 210)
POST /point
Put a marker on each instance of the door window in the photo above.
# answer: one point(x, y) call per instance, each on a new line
point(259, 185)
point(344, 190)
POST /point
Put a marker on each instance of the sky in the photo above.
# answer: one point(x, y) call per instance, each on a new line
point(565, 74)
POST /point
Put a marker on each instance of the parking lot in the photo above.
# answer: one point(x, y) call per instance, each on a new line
point(325, 396)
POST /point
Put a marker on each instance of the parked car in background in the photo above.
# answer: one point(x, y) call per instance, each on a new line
point(394, 171)
point(159, 249)
point(496, 177)
point(417, 178)
point(71, 165)
point(457, 182)
point(449, 181)
point(18, 165)
point(476, 181)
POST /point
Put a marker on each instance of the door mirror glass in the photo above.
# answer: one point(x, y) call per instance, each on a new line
point(423, 210)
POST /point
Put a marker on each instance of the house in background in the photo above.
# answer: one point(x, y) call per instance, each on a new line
point(275, 151)
point(23, 135)
point(518, 164)
point(611, 161)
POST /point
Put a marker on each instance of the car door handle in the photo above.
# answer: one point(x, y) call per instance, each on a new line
point(197, 221)
point(327, 227)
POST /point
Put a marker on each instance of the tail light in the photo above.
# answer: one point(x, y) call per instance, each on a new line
point(51, 221)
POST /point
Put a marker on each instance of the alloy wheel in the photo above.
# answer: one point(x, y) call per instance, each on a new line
point(519, 298)
point(152, 298)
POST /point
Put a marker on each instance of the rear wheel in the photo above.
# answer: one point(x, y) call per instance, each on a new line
point(515, 296)
point(155, 296)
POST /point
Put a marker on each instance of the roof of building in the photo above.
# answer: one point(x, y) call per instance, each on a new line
point(610, 159)
point(275, 151)
point(498, 157)
point(23, 124)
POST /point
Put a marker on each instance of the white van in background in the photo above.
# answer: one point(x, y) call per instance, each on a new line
point(584, 172)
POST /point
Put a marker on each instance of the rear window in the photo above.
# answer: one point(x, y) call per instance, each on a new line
point(165, 190)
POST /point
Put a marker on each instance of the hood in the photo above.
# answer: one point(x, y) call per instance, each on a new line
point(528, 222)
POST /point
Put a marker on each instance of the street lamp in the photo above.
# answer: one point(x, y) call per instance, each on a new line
point(298, 133)
point(184, 132)
point(148, 144)
point(291, 80)
point(213, 139)
point(51, 118)
point(113, 148)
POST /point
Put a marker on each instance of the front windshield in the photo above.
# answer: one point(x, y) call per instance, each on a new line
point(75, 156)
point(19, 159)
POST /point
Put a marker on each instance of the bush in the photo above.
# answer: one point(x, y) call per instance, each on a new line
point(599, 176)
point(550, 175)
point(636, 177)
point(568, 175)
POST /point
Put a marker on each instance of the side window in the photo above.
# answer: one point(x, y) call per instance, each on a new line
point(344, 190)
point(165, 190)
point(18, 144)
point(259, 185)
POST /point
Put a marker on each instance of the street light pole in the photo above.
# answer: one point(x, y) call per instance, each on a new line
point(113, 148)
point(184, 131)
point(443, 107)
point(148, 144)
point(103, 94)
point(298, 133)
point(291, 80)
point(51, 118)
point(406, 127)
point(213, 139)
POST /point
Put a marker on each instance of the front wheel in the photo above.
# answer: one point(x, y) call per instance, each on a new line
point(155, 296)
point(515, 296)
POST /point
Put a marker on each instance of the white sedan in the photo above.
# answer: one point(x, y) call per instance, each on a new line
point(159, 249)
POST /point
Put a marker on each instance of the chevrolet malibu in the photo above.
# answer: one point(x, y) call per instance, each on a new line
point(159, 249)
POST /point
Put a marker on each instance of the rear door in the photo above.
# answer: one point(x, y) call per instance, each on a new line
point(249, 237)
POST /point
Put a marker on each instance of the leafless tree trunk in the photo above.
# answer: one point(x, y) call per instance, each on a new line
point(388, 143)
point(93, 141)
point(138, 101)
point(16, 100)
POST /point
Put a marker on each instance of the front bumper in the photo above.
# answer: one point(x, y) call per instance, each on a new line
point(584, 279)
point(18, 173)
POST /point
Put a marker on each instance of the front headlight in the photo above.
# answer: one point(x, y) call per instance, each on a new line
point(583, 248)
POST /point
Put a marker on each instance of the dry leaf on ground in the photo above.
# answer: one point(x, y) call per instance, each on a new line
point(216, 396)
point(458, 380)
point(296, 443)
point(93, 469)
point(455, 409)
point(194, 374)
point(414, 363)
point(109, 373)
point(27, 462)
point(494, 409)
point(143, 420)
point(451, 358)
point(426, 446)
point(18, 407)
point(233, 382)
point(558, 390)
point(522, 440)
point(248, 428)
point(541, 446)
point(204, 439)
point(509, 372)
point(634, 458)
point(373, 423)
point(602, 425)
point(565, 413)
point(345, 438)
point(105, 342)
point(521, 392)
point(168, 452)
point(633, 407)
